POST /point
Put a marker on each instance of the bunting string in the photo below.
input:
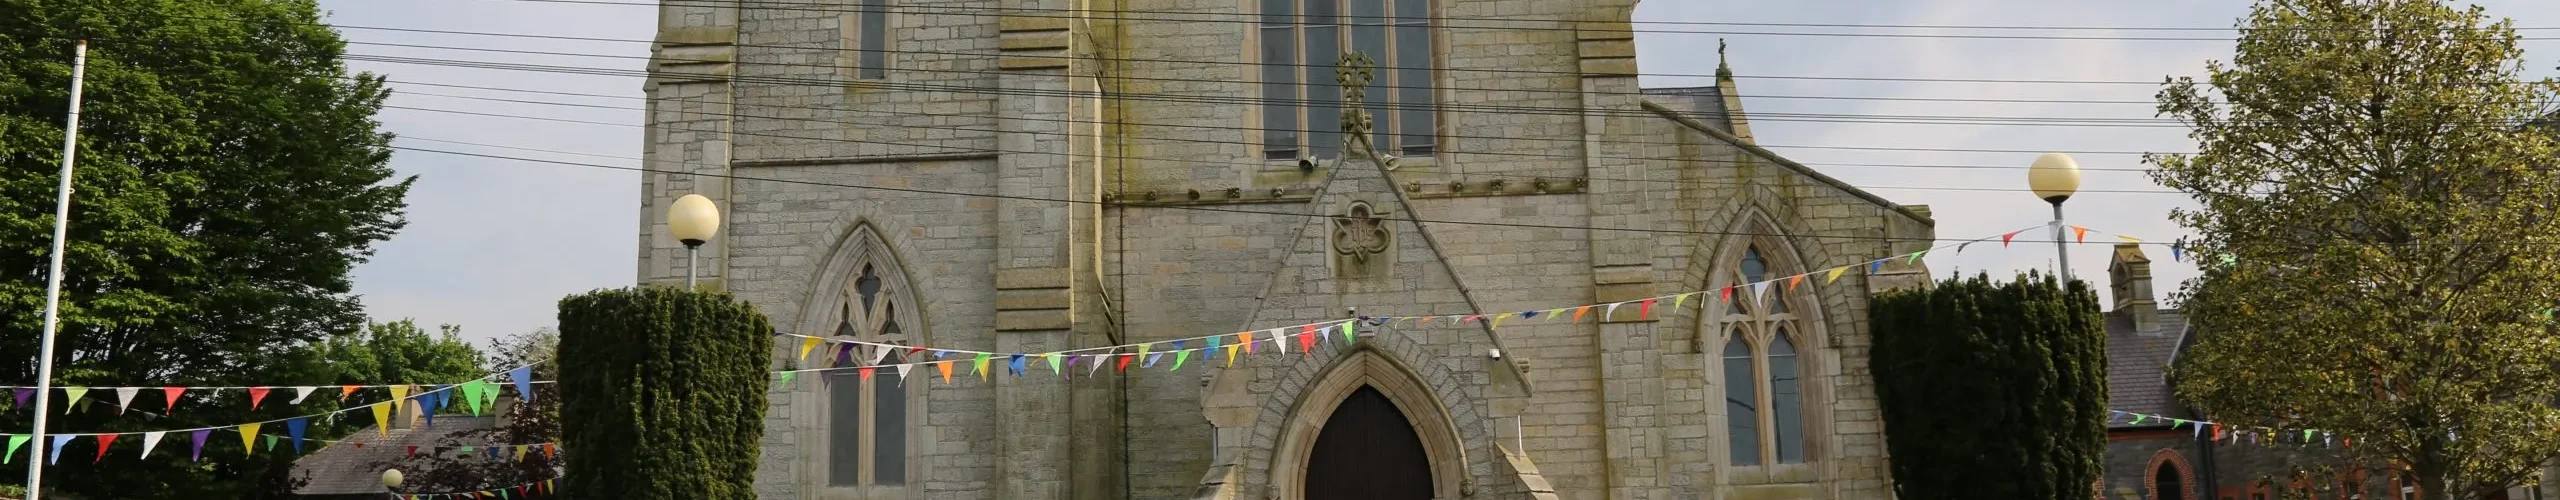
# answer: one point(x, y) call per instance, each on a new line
point(542, 487)
point(2233, 435)
point(1305, 335)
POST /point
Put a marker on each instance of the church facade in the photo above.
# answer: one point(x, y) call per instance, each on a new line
point(1032, 176)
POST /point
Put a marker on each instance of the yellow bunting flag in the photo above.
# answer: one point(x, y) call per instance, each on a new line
point(520, 452)
point(382, 418)
point(1676, 301)
point(1495, 324)
point(1835, 274)
point(982, 365)
point(2128, 239)
point(398, 393)
point(248, 437)
point(806, 344)
point(1231, 355)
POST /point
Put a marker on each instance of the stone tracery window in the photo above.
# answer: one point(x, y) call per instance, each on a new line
point(867, 419)
point(1765, 417)
point(1301, 106)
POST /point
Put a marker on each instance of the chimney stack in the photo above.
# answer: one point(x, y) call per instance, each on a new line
point(2129, 276)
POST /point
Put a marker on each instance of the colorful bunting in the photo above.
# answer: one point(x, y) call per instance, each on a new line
point(248, 436)
point(382, 418)
point(294, 427)
point(124, 398)
point(14, 442)
point(523, 376)
point(1835, 274)
point(73, 397)
point(256, 395)
point(2082, 232)
point(104, 440)
point(199, 437)
point(299, 393)
point(55, 457)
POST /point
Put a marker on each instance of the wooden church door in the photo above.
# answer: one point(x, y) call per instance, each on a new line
point(1368, 451)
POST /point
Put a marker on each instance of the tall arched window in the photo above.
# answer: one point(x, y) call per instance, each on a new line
point(1301, 40)
point(867, 416)
point(1763, 377)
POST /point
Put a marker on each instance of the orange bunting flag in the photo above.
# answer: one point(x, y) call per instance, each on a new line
point(346, 390)
point(1246, 338)
point(1579, 311)
point(1792, 282)
point(548, 451)
point(2082, 232)
point(945, 367)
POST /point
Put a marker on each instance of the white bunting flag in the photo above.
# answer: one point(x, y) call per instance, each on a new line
point(1611, 312)
point(1280, 338)
point(902, 371)
point(124, 398)
point(150, 440)
point(299, 393)
point(1760, 293)
point(879, 352)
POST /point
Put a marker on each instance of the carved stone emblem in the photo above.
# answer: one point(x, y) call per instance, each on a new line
point(1360, 242)
point(1352, 74)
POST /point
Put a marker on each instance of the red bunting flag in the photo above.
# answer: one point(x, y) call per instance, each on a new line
point(2004, 239)
point(103, 441)
point(1728, 294)
point(1646, 311)
point(256, 394)
point(1124, 362)
point(1307, 344)
point(172, 393)
point(413, 451)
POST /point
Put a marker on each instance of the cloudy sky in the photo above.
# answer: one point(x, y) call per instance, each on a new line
point(492, 244)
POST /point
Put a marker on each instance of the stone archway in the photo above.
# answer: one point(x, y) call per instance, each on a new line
point(1366, 389)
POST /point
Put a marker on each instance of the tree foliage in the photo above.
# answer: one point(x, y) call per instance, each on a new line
point(1978, 379)
point(528, 424)
point(663, 394)
point(230, 175)
point(2379, 226)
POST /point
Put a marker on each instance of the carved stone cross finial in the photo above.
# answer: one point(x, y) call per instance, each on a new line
point(1352, 73)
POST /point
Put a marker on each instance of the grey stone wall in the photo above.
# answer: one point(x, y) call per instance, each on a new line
point(1605, 410)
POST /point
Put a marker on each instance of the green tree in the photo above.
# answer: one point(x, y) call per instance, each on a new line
point(1980, 379)
point(398, 352)
point(2379, 228)
point(663, 394)
point(222, 197)
point(538, 422)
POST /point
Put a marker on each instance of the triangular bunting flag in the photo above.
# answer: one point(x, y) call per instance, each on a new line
point(1180, 356)
point(865, 372)
point(58, 441)
point(1915, 257)
point(1231, 356)
point(1124, 361)
point(382, 418)
point(124, 398)
point(1053, 364)
point(199, 437)
point(299, 393)
point(257, 395)
point(981, 364)
point(902, 371)
point(807, 344)
point(23, 394)
point(15, 441)
point(520, 449)
point(523, 377)
point(1307, 343)
point(398, 394)
point(1349, 334)
point(1760, 293)
point(1279, 340)
point(1835, 274)
point(249, 437)
point(945, 367)
point(1677, 301)
point(2004, 239)
point(294, 428)
point(347, 390)
point(786, 378)
point(104, 440)
point(271, 441)
point(2129, 239)
point(1016, 365)
point(1497, 319)
point(1579, 311)
point(1875, 267)
point(1645, 310)
point(2081, 232)
point(879, 353)
point(73, 395)
point(1794, 281)
point(151, 440)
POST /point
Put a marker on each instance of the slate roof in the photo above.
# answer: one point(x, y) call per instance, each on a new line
point(2137, 366)
point(1704, 104)
point(344, 469)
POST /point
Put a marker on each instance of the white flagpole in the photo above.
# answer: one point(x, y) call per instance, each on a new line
point(53, 282)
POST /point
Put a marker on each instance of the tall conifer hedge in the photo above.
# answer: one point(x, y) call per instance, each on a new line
point(1992, 390)
point(662, 394)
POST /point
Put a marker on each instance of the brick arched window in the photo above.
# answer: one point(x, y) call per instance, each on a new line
point(2168, 477)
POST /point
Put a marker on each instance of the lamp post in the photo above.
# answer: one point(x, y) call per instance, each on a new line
point(390, 483)
point(2055, 177)
point(693, 219)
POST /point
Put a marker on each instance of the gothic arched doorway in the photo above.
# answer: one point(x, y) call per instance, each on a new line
point(1368, 450)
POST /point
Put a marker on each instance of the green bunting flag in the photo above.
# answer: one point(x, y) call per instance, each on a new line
point(787, 376)
point(1179, 357)
point(14, 442)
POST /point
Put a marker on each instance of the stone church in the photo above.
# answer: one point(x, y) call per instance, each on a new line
point(1040, 175)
